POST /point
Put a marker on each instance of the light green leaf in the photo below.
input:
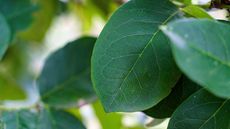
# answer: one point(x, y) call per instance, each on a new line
point(202, 111)
point(201, 49)
point(65, 78)
point(196, 11)
point(183, 89)
point(9, 89)
point(42, 20)
point(107, 121)
point(132, 58)
point(5, 35)
point(43, 119)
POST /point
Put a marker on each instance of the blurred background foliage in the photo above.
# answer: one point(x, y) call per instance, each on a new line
point(38, 28)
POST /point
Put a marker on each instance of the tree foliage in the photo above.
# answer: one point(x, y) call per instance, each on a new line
point(167, 59)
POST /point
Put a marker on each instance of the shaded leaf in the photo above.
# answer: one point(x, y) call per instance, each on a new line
point(5, 35)
point(201, 49)
point(44, 119)
point(17, 12)
point(65, 78)
point(132, 59)
point(202, 111)
point(183, 89)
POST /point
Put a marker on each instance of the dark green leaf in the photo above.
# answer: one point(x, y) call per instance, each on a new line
point(183, 89)
point(202, 111)
point(65, 78)
point(132, 59)
point(5, 35)
point(17, 12)
point(44, 119)
point(201, 49)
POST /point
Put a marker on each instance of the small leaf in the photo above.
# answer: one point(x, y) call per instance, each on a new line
point(65, 78)
point(44, 119)
point(201, 49)
point(183, 89)
point(202, 111)
point(132, 58)
point(5, 35)
point(196, 11)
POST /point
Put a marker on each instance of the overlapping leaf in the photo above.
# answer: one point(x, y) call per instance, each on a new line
point(132, 59)
point(201, 49)
point(202, 111)
point(5, 35)
point(65, 78)
point(183, 89)
point(44, 119)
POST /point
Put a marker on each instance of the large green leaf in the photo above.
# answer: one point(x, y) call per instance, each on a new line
point(5, 35)
point(65, 78)
point(201, 49)
point(44, 119)
point(202, 111)
point(183, 89)
point(17, 12)
point(132, 59)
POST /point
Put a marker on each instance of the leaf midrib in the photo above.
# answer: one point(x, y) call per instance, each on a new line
point(214, 114)
point(140, 55)
point(207, 54)
point(63, 84)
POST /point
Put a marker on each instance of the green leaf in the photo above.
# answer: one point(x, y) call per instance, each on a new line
point(5, 35)
point(202, 111)
point(132, 59)
point(183, 89)
point(44, 119)
point(196, 11)
point(65, 78)
point(201, 49)
point(10, 90)
point(17, 12)
point(107, 121)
